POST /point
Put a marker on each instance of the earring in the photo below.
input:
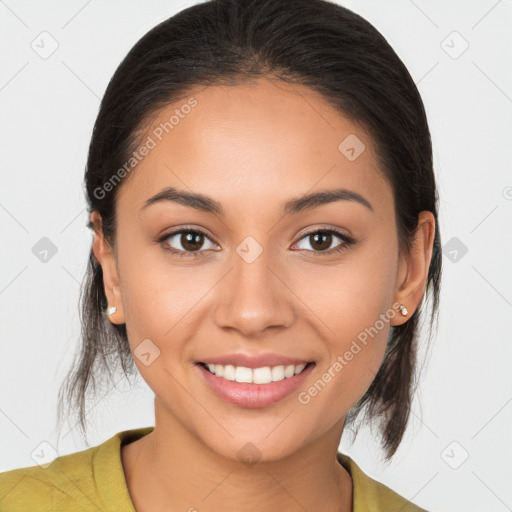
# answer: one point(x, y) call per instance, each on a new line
point(112, 310)
point(403, 310)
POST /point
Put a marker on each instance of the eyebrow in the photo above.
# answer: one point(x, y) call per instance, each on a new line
point(207, 204)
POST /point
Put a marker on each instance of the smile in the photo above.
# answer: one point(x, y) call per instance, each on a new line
point(253, 387)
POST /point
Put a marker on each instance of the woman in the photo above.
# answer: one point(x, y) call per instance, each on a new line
point(264, 209)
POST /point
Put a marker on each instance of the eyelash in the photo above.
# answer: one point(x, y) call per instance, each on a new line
point(347, 241)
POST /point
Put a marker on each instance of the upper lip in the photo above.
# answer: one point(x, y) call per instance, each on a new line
point(254, 361)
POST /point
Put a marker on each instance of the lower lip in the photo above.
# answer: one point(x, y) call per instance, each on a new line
point(253, 395)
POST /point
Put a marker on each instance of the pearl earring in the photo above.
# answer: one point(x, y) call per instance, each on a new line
point(112, 310)
point(403, 310)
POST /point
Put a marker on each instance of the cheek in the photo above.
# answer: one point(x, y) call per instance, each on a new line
point(156, 295)
point(355, 358)
point(355, 303)
point(350, 297)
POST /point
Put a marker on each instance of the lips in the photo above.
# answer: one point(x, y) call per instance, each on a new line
point(251, 395)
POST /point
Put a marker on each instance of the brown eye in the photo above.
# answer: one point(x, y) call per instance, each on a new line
point(191, 241)
point(322, 239)
point(186, 242)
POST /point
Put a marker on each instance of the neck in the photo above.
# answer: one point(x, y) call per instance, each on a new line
point(171, 469)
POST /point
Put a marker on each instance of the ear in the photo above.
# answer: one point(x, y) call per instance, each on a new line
point(413, 268)
point(107, 259)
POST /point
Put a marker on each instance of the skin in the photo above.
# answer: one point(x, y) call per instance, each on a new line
point(253, 147)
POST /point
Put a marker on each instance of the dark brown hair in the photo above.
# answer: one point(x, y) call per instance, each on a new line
point(313, 43)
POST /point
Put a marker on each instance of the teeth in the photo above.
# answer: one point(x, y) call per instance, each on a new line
point(243, 374)
point(263, 375)
point(289, 371)
point(299, 368)
point(229, 372)
point(277, 372)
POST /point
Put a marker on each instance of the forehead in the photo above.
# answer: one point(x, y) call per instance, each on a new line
point(257, 143)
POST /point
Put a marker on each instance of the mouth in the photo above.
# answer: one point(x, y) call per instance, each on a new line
point(253, 387)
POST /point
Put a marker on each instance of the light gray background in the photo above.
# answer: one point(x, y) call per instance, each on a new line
point(48, 107)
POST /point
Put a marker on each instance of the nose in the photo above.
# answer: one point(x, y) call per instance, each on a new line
point(254, 297)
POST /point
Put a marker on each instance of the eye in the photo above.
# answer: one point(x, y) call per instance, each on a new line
point(187, 241)
point(322, 238)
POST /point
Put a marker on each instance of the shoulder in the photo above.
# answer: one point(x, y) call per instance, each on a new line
point(47, 486)
point(369, 494)
point(92, 479)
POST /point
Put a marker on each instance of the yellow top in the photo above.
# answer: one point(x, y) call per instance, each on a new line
point(94, 480)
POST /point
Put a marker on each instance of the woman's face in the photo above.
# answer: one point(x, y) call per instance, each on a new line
point(262, 281)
